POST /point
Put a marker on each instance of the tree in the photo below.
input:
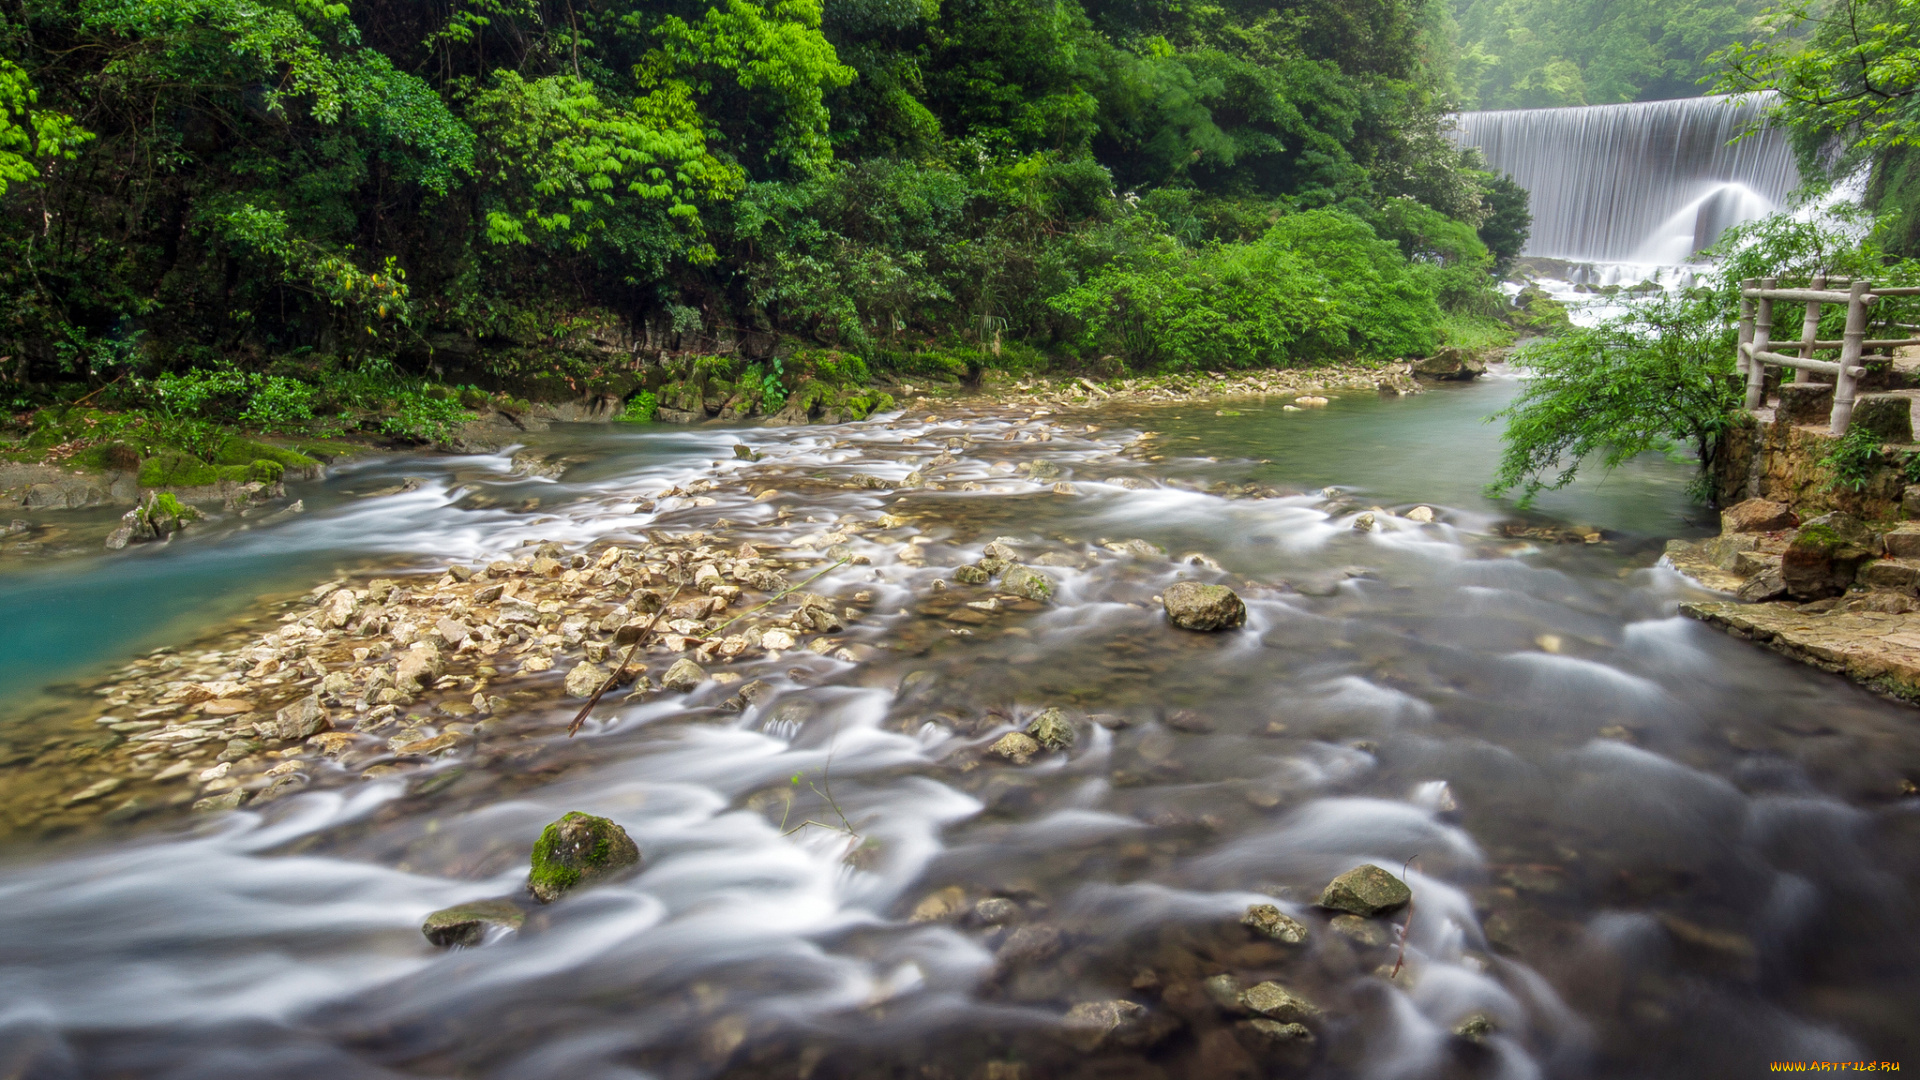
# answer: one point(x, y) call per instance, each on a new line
point(1656, 376)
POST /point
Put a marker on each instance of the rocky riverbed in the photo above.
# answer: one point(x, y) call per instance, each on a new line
point(1016, 743)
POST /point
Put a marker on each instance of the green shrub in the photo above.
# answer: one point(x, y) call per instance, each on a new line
point(423, 419)
point(640, 408)
point(1852, 460)
point(1317, 286)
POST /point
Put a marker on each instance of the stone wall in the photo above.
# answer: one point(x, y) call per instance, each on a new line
point(1769, 458)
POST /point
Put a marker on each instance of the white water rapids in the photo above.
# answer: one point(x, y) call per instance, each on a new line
point(1612, 800)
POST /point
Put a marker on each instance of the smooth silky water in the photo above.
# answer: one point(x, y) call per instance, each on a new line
point(1640, 847)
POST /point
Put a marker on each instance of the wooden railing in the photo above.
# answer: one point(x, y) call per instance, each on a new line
point(1757, 297)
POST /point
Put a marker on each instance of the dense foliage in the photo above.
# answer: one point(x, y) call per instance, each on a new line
point(1519, 54)
point(499, 190)
point(1848, 78)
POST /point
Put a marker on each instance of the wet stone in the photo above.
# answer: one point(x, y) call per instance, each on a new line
point(577, 851)
point(1029, 945)
point(1027, 583)
point(1015, 747)
point(1358, 930)
point(302, 719)
point(1051, 730)
point(683, 676)
point(1094, 1025)
point(584, 679)
point(467, 924)
point(1270, 921)
point(994, 911)
point(1366, 890)
point(1191, 605)
point(1474, 1028)
point(1276, 1002)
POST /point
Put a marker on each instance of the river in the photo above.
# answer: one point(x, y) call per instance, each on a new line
point(1636, 847)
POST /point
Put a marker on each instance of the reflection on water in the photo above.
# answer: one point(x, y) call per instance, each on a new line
point(1636, 847)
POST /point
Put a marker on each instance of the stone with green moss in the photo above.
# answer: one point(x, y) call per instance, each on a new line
point(577, 851)
point(467, 924)
point(247, 453)
point(177, 469)
point(1027, 582)
point(1825, 556)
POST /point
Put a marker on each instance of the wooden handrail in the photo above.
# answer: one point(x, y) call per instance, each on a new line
point(1824, 367)
point(1754, 351)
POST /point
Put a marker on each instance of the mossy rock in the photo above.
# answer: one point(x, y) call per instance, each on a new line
point(467, 924)
point(174, 469)
point(860, 404)
point(113, 456)
point(266, 472)
point(577, 851)
point(245, 452)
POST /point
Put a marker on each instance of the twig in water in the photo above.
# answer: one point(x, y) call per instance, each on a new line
point(826, 778)
point(781, 595)
point(614, 676)
point(1406, 929)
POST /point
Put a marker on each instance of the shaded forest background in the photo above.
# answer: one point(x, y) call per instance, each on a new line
point(272, 210)
point(506, 189)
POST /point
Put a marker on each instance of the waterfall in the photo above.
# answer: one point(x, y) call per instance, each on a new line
point(1648, 183)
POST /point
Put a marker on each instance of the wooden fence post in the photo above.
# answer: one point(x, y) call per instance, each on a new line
point(1850, 349)
point(1746, 327)
point(1810, 331)
point(1762, 337)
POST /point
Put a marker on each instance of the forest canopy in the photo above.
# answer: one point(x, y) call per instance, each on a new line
point(199, 184)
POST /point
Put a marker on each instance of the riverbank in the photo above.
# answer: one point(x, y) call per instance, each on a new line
point(1824, 568)
point(44, 494)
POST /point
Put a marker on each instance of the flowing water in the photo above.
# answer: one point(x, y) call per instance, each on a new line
point(1636, 846)
point(1649, 183)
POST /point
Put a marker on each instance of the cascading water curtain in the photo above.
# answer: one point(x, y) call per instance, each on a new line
point(1651, 182)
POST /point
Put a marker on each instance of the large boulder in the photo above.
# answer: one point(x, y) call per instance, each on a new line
point(1366, 890)
point(1450, 363)
point(1825, 555)
point(1903, 542)
point(1193, 606)
point(1757, 516)
point(577, 851)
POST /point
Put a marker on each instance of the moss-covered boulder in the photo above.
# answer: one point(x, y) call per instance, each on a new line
point(577, 851)
point(1825, 556)
point(177, 469)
